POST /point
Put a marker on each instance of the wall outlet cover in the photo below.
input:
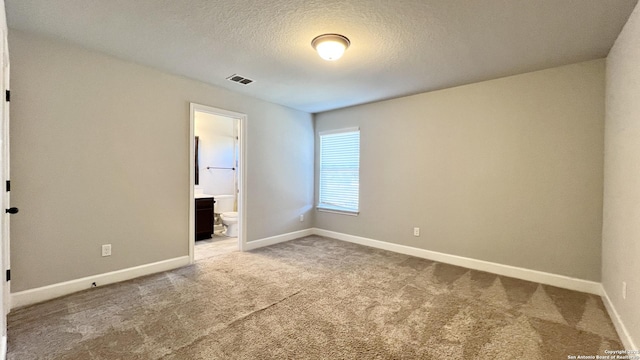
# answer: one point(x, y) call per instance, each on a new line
point(106, 250)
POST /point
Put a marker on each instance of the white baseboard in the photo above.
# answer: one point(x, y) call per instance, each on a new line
point(256, 244)
point(617, 322)
point(32, 296)
point(562, 281)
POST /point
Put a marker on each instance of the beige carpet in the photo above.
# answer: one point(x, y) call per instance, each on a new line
point(315, 298)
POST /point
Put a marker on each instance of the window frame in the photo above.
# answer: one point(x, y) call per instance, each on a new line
point(325, 207)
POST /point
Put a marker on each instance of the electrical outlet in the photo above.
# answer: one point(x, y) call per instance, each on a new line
point(624, 290)
point(106, 250)
point(416, 231)
point(301, 217)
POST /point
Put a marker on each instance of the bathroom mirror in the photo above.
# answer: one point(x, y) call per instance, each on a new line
point(196, 164)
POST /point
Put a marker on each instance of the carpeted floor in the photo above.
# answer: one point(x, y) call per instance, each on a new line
point(315, 298)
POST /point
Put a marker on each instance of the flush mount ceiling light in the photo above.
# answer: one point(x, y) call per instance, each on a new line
point(330, 46)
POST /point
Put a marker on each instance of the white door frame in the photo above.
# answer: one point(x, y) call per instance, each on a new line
point(242, 166)
point(5, 304)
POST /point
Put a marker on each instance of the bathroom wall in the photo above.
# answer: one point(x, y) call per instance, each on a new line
point(621, 228)
point(508, 170)
point(100, 155)
point(217, 148)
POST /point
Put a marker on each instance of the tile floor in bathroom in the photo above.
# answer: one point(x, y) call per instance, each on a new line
point(217, 245)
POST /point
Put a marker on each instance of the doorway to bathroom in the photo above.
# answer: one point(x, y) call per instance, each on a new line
point(216, 216)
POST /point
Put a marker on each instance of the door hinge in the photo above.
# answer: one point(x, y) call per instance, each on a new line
point(8, 95)
point(8, 274)
point(8, 187)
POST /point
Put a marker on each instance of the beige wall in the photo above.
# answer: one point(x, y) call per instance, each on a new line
point(507, 171)
point(621, 228)
point(100, 154)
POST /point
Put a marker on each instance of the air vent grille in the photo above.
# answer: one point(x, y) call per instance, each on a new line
point(239, 79)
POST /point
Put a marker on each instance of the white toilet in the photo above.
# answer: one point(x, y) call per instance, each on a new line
point(224, 206)
point(230, 222)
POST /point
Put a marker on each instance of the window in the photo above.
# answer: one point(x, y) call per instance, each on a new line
point(340, 171)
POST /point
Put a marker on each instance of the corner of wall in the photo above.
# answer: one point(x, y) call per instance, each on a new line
point(623, 333)
point(621, 197)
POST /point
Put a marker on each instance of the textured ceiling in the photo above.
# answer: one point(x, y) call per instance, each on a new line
point(397, 47)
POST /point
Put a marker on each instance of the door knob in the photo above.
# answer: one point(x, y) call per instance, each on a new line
point(13, 210)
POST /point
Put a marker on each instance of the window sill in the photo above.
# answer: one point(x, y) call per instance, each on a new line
point(337, 211)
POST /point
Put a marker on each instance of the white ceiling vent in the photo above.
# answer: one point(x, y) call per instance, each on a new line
point(239, 79)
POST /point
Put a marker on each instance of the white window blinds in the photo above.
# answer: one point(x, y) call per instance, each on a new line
point(340, 171)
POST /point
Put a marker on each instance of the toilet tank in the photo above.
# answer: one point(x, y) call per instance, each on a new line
point(224, 203)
